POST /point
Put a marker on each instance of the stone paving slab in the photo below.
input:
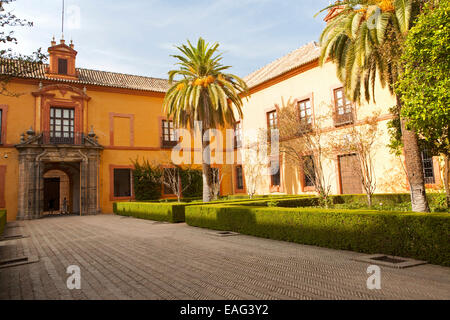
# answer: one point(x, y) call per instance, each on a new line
point(127, 258)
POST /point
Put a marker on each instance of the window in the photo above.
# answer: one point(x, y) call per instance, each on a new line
point(309, 171)
point(275, 176)
point(428, 171)
point(305, 113)
point(1, 118)
point(238, 134)
point(62, 125)
point(239, 178)
point(168, 134)
point(62, 66)
point(343, 108)
point(272, 121)
point(122, 183)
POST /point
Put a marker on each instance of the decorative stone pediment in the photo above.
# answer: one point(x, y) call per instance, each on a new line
point(62, 89)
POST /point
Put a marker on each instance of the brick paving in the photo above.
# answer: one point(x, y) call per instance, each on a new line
point(127, 258)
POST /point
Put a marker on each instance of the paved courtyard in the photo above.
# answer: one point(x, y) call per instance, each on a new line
point(127, 258)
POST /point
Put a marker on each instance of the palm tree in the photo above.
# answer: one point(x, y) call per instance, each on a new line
point(203, 93)
point(365, 41)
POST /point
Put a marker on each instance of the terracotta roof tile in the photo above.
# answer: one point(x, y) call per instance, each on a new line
point(292, 60)
point(95, 77)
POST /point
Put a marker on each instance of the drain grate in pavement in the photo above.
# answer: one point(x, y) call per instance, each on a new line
point(17, 261)
point(224, 233)
point(390, 261)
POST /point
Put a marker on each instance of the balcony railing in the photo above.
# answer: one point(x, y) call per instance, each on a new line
point(74, 138)
point(168, 144)
point(343, 119)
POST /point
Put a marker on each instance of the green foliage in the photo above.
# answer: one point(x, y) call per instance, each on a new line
point(170, 212)
point(414, 235)
point(204, 90)
point(2, 221)
point(12, 64)
point(146, 181)
point(365, 41)
point(424, 85)
point(195, 188)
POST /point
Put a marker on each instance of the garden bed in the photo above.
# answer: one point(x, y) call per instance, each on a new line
point(422, 236)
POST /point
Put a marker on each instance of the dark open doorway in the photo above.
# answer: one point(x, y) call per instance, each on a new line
point(51, 194)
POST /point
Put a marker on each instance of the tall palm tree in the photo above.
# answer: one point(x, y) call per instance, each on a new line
point(365, 40)
point(203, 93)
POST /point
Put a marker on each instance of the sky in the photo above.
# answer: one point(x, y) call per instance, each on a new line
point(139, 36)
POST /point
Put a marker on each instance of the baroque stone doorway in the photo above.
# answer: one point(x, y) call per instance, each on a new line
point(62, 188)
point(80, 162)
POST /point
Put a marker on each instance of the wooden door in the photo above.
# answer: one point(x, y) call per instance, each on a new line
point(350, 178)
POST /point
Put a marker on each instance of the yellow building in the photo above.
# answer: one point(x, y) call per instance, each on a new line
point(67, 142)
point(317, 93)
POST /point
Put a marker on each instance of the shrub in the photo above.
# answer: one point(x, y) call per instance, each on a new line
point(170, 212)
point(145, 181)
point(195, 189)
point(2, 221)
point(415, 235)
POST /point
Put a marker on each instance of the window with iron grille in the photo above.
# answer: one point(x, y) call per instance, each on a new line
point(305, 111)
point(62, 66)
point(122, 182)
point(62, 125)
point(168, 133)
point(309, 171)
point(428, 171)
point(238, 134)
point(343, 108)
point(239, 178)
point(275, 176)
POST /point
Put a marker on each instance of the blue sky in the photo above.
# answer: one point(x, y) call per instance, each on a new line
point(138, 37)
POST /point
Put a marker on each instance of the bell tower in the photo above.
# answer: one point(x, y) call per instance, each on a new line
point(62, 60)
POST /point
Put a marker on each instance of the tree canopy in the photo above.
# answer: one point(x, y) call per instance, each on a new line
point(424, 86)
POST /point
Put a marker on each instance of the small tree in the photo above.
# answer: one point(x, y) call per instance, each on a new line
point(305, 139)
point(171, 178)
point(14, 65)
point(361, 140)
point(424, 84)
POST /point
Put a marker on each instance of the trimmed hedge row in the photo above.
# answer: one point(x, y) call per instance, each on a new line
point(384, 198)
point(170, 212)
point(414, 235)
point(175, 211)
point(2, 221)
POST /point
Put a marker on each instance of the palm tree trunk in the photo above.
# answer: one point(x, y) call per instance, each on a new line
point(206, 170)
point(414, 168)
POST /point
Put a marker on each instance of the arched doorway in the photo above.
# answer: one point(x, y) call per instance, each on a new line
point(61, 188)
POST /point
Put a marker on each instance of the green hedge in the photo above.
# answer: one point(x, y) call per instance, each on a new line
point(415, 235)
point(170, 212)
point(2, 221)
point(387, 199)
point(175, 211)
